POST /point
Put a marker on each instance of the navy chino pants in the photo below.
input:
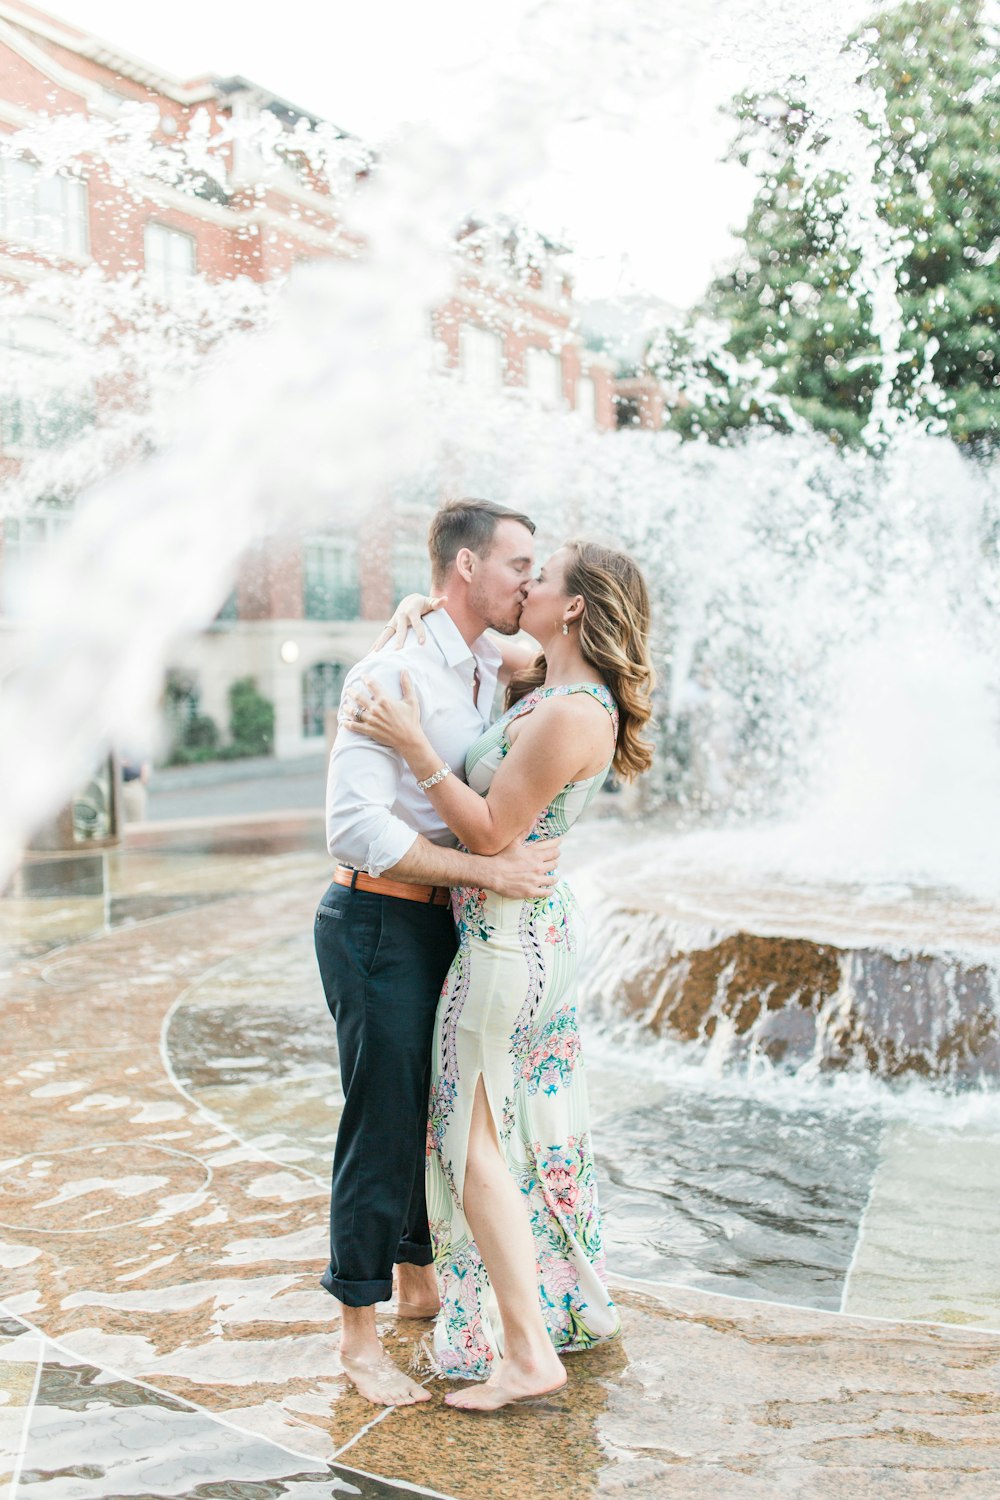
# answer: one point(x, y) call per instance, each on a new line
point(383, 962)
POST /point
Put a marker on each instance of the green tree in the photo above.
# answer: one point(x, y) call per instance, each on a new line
point(797, 312)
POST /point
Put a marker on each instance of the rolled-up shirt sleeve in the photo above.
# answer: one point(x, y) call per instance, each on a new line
point(361, 789)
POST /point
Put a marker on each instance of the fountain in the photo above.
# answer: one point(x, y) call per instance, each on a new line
point(862, 932)
point(794, 977)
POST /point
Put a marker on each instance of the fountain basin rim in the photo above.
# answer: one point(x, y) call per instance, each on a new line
point(662, 1290)
point(930, 924)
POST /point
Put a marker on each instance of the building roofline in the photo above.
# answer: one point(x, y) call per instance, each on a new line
point(235, 83)
point(50, 28)
point(510, 225)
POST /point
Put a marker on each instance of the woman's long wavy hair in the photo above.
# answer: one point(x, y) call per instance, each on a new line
point(614, 639)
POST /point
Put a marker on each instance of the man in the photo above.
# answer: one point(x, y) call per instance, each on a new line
point(385, 936)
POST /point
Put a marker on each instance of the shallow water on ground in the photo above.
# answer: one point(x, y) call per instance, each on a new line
point(170, 1108)
point(724, 1184)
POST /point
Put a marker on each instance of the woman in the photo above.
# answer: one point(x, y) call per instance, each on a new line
point(511, 1194)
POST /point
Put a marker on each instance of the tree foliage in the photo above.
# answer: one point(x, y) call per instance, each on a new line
point(804, 337)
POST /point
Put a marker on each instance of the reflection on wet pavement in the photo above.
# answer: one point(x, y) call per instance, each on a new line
point(95, 1189)
point(719, 1192)
point(53, 899)
point(170, 1103)
point(63, 875)
point(90, 1436)
point(736, 1196)
point(254, 1044)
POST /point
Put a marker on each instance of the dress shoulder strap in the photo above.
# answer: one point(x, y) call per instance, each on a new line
point(525, 705)
point(596, 690)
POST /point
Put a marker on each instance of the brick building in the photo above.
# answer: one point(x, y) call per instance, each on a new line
point(301, 611)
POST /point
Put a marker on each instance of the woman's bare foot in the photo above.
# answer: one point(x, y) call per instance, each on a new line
point(382, 1382)
point(511, 1382)
point(415, 1292)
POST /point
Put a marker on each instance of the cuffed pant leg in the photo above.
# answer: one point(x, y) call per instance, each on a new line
point(415, 1248)
point(383, 963)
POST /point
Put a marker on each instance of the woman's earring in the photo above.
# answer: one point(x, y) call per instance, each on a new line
point(565, 628)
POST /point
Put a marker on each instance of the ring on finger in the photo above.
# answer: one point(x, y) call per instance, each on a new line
point(359, 712)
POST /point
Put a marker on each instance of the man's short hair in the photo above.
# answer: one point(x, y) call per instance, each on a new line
point(466, 523)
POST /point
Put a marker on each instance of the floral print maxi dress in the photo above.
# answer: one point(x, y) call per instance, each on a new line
point(507, 1012)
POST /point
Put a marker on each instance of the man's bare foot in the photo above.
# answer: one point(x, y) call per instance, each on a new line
point(400, 1309)
point(415, 1292)
point(382, 1382)
point(511, 1382)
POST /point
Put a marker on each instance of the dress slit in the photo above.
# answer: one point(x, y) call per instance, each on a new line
point(462, 1154)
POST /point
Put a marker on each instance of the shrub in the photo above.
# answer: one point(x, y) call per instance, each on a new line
point(200, 733)
point(192, 755)
point(251, 719)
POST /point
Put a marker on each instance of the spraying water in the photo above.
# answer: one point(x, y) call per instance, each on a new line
point(825, 618)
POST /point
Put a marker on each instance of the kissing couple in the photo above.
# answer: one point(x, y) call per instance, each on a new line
point(448, 949)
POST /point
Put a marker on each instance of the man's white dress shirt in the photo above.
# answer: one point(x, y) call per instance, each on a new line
point(374, 808)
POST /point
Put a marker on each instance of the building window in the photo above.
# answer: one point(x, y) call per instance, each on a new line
point(322, 686)
point(543, 376)
point(481, 357)
point(627, 412)
point(331, 589)
point(170, 260)
point(410, 569)
point(35, 413)
point(29, 424)
point(40, 209)
point(586, 398)
point(25, 537)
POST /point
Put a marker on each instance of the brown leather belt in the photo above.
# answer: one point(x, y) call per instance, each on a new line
point(430, 895)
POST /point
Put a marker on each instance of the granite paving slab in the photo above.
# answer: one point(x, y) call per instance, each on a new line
point(71, 1431)
point(928, 1242)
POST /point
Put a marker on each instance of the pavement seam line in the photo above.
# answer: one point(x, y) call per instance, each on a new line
point(145, 1385)
point(103, 1146)
point(209, 1115)
point(846, 1288)
point(363, 1432)
point(659, 1289)
point(15, 1477)
point(407, 1485)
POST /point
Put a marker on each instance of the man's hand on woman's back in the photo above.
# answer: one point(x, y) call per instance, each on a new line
point(525, 871)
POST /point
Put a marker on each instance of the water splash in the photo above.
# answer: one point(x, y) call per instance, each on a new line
point(772, 564)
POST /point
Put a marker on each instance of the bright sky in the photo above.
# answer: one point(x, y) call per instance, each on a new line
point(646, 203)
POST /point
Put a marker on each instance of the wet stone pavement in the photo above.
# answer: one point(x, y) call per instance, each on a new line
point(170, 1099)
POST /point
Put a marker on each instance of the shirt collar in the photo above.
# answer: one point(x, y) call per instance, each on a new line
point(453, 645)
